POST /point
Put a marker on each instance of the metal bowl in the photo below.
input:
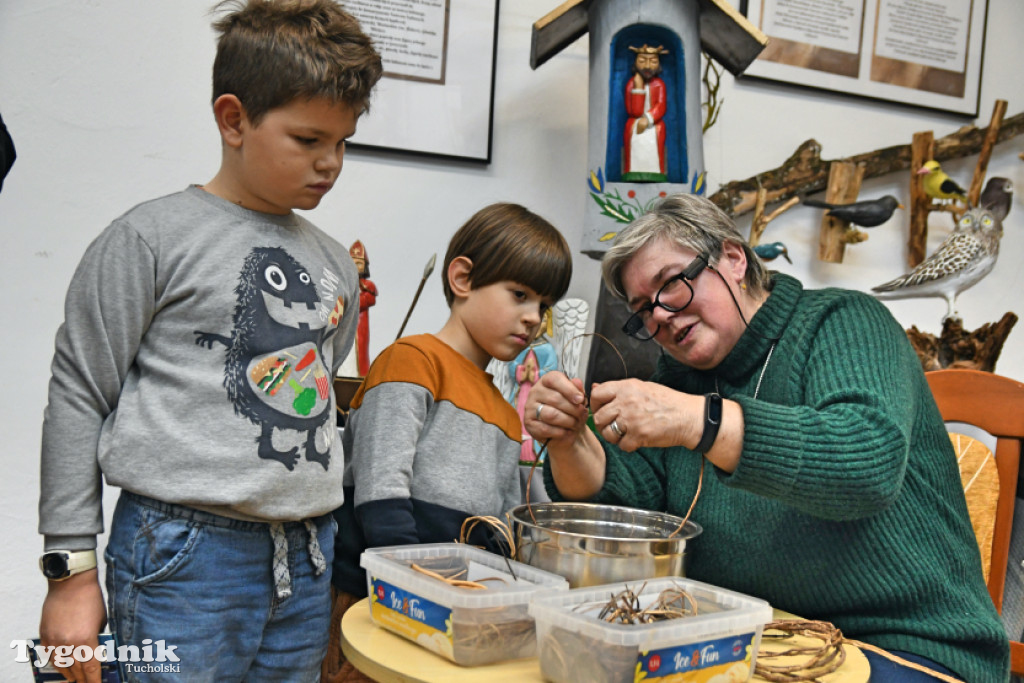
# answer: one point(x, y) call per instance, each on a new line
point(592, 544)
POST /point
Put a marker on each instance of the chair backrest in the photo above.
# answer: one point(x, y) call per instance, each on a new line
point(979, 476)
point(994, 404)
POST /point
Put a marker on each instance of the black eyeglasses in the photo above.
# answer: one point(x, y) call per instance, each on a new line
point(675, 295)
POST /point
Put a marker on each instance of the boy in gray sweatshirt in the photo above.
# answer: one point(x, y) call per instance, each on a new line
point(194, 371)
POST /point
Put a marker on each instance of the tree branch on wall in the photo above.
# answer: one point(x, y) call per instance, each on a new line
point(805, 171)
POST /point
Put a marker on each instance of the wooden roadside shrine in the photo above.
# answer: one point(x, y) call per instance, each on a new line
point(625, 99)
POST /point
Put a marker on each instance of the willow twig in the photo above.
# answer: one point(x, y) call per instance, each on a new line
point(458, 583)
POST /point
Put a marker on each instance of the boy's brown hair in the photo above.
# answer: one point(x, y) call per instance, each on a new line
point(510, 242)
point(270, 52)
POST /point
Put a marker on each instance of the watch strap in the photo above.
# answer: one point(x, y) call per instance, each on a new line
point(76, 562)
point(712, 421)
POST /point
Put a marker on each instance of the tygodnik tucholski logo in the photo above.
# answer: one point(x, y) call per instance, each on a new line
point(152, 657)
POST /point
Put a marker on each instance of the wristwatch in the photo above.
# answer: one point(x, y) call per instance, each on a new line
point(712, 421)
point(58, 565)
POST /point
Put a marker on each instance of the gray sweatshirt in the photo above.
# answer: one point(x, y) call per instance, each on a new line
point(195, 366)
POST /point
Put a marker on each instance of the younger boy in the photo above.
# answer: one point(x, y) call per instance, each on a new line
point(193, 370)
point(430, 440)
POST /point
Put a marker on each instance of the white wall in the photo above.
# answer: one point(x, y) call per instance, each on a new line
point(108, 104)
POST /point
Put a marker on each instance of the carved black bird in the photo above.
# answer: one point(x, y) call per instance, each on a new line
point(997, 196)
point(866, 214)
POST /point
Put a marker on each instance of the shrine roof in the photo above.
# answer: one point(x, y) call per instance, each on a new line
point(725, 34)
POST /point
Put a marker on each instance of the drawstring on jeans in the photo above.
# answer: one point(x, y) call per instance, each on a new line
point(282, 577)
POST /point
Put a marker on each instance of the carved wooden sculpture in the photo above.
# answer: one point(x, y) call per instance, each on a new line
point(805, 171)
point(960, 348)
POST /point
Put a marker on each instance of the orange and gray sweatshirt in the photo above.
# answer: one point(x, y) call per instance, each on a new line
point(429, 442)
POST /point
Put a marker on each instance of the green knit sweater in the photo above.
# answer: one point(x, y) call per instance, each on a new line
point(846, 505)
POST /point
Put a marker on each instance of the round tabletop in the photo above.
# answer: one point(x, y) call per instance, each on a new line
point(390, 658)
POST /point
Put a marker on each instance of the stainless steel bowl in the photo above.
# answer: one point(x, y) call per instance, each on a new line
point(592, 544)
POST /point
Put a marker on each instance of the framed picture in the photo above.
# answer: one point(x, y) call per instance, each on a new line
point(921, 53)
point(437, 93)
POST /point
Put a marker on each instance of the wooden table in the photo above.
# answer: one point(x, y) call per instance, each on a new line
point(390, 658)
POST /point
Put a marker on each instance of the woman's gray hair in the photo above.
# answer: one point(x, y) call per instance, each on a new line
point(689, 222)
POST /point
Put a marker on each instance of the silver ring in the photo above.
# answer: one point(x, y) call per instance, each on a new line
point(615, 428)
point(540, 407)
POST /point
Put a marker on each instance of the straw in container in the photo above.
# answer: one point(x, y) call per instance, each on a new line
point(469, 626)
point(718, 645)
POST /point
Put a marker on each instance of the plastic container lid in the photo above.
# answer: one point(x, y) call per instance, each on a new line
point(391, 564)
point(721, 612)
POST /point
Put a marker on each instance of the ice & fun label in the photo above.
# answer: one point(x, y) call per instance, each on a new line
point(407, 614)
point(724, 660)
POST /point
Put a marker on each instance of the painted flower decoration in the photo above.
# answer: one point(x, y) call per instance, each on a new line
point(613, 204)
point(625, 209)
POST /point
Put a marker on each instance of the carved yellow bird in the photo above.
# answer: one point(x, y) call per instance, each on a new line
point(938, 184)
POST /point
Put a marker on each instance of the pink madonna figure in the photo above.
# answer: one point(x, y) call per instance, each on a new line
point(528, 369)
point(643, 148)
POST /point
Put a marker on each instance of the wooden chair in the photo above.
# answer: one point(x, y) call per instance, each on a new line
point(994, 404)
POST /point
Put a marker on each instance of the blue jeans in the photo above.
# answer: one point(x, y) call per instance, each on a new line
point(887, 671)
point(205, 585)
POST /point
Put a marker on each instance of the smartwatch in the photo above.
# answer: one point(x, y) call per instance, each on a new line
point(58, 565)
point(712, 421)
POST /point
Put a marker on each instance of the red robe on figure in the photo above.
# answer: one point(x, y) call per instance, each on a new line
point(367, 298)
point(635, 109)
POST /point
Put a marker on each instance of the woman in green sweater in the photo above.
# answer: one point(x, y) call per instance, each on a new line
point(835, 492)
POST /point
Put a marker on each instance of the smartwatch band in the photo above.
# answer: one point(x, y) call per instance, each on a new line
point(712, 421)
point(58, 565)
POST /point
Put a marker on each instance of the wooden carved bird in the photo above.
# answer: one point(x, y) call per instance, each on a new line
point(967, 255)
point(771, 251)
point(938, 184)
point(866, 214)
point(997, 196)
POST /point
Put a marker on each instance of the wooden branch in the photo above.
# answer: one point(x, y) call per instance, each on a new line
point(805, 171)
point(986, 152)
point(844, 180)
point(761, 221)
point(758, 222)
point(921, 150)
point(959, 348)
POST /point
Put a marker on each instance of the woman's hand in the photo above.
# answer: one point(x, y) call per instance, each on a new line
point(556, 416)
point(634, 414)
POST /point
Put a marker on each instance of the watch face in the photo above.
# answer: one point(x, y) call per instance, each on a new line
point(55, 565)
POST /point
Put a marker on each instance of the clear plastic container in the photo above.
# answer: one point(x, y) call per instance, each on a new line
point(468, 626)
point(717, 645)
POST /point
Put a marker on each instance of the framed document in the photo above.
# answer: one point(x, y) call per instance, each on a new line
point(437, 93)
point(925, 53)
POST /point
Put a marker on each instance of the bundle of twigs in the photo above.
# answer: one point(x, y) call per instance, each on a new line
point(671, 603)
point(820, 659)
point(502, 530)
